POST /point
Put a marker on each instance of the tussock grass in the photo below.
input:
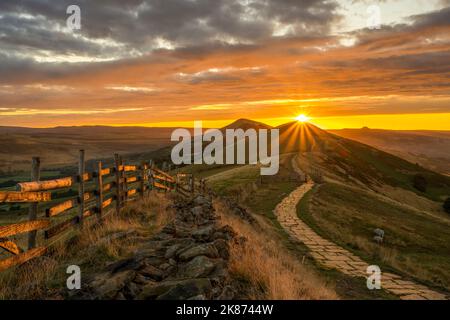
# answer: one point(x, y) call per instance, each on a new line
point(267, 269)
point(91, 249)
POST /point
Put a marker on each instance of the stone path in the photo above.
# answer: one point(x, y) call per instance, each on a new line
point(332, 256)
point(186, 260)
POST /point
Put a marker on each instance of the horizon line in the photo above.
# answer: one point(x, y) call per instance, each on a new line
point(229, 122)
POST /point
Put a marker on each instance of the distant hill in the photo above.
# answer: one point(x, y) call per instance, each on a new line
point(246, 124)
point(60, 145)
point(430, 149)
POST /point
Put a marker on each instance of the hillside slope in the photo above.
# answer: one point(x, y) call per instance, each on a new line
point(355, 163)
point(360, 188)
point(430, 149)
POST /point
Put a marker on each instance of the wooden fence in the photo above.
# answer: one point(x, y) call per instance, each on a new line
point(98, 191)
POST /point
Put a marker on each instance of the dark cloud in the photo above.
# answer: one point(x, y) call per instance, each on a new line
point(432, 19)
point(136, 26)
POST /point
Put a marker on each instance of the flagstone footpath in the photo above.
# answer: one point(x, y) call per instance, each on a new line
point(332, 256)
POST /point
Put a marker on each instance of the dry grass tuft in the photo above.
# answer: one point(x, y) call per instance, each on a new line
point(91, 249)
point(272, 272)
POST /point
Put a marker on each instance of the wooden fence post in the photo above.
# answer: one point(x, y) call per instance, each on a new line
point(118, 184)
point(150, 178)
point(99, 190)
point(124, 183)
point(32, 213)
point(81, 171)
point(143, 177)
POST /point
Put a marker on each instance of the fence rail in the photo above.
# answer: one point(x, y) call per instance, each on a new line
point(124, 183)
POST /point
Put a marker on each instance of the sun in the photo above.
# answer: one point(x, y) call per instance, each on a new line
point(302, 118)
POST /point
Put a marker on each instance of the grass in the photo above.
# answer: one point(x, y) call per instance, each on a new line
point(203, 170)
point(264, 201)
point(367, 163)
point(261, 199)
point(415, 245)
point(94, 248)
point(267, 270)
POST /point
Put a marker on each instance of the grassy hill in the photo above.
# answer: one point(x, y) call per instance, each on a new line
point(361, 188)
point(430, 149)
point(355, 163)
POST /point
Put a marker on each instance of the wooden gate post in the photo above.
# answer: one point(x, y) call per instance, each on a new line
point(81, 171)
point(32, 213)
point(99, 191)
point(118, 184)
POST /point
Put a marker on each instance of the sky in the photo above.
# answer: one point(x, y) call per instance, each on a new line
point(344, 63)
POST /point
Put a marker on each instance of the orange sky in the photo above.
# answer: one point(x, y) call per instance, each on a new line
point(392, 78)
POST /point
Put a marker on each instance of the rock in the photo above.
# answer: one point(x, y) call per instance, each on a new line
point(154, 261)
point(200, 250)
point(173, 246)
point(120, 296)
point(225, 232)
point(222, 248)
point(151, 291)
point(172, 262)
point(107, 286)
point(187, 289)
point(218, 235)
point(152, 272)
point(165, 266)
point(201, 200)
point(198, 267)
point(131, 291)
point(126, 264)
point(168, 229)
point(219, 274)
point(149, 252)
point(197, 211)
point(203, 233)
point(142, 280)
point(182, 232)
point(171, 251)
point(198, 297)
point(228, 293)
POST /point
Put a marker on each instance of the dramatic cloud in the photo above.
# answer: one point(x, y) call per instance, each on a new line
point(142, 61)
